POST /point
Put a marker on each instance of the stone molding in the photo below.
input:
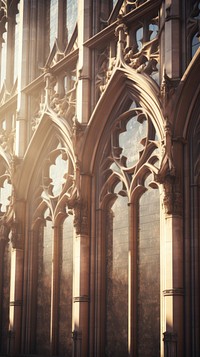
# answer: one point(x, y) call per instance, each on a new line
point(82, 298)
point(174, 292)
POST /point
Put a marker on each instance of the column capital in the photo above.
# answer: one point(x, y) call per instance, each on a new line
point(16, 237)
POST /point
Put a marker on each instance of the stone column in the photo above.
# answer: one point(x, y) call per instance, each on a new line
point(16, 282)
point(132, 272)
point(81, 272)
point(4, 230)
point(55, 295)
point(172, 288)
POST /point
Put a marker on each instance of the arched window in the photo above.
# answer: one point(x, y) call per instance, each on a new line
point(130, 203)
point(52, 255)
point(63, 18)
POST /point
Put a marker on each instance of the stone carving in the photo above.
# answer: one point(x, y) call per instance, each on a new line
point(81, 218)
point(170, 343)
point(7, 140)
point(106, 65)
point(63, 106)
point(80, 209)
point(143, 58)
point(172, 200)
point(167, 88)
point(16, 237)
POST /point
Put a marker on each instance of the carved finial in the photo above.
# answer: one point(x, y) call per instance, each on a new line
point(121, 33)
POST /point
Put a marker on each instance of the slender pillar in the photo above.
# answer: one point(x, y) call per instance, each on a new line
point(4, 230)
point(16, 282)
point(172, 285)
point(132, 280)
point(55, 295)
point(81, 272)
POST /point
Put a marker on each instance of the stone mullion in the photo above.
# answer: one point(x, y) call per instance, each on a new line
point(54, 329)
point(100, 287)
point(132, 280)
point(30, 312)
point(81, 259)
point(61, 25)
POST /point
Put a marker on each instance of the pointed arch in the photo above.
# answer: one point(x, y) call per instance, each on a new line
point(188, 96)
point(125, 85)
point(49, 133)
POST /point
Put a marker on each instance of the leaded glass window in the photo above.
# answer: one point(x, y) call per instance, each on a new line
point(130, 201)
point(71, 16)
point(53, 21)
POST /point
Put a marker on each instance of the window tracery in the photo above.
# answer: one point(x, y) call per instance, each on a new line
point(53, 224)
point(117, 243)
point(131, 148)
point(137, 47)
point(128, 166)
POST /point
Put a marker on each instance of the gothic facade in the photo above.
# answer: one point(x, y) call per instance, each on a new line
point(100, 178)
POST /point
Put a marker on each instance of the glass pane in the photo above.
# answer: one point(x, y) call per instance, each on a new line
point(153, 30)
point(53, 21)
point(72, 8)
point(148, 260)
point(117, 279)
point(195, 44)
point(57, 172)
point(66, 274)
point(5, 193)
point(45, 246)
point(130, 140)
